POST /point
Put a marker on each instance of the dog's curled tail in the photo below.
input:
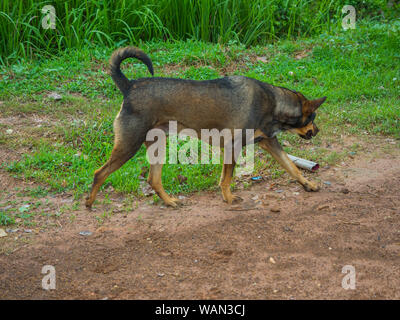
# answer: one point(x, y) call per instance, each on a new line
point(117, 57)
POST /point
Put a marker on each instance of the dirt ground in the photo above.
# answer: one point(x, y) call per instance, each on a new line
point(279, 243)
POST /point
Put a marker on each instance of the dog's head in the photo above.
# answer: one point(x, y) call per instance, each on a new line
point(305, 127)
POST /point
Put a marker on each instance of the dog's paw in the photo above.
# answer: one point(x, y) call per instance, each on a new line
point(173, 202)
point(311, 186)
point(233, 199)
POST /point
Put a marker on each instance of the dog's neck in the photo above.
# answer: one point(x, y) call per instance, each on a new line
point(286, 113)
point(288, 106)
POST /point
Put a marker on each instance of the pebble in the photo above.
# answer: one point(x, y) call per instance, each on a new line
point(279, 191)
point(28, 230)
point(2, 233)
point(85, 233)
point(272, 260)
point(275, 209)
point(160, 275)
point(54, 96)
point(345, 190)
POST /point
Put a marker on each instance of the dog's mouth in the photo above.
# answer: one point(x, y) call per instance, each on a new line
point(308, 135)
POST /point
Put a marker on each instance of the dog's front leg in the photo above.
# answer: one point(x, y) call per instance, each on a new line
point(274, 148)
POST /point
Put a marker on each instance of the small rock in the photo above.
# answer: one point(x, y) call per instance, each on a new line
point(327, 183)
point(11, 230)
point(275, 209)
point(272, 260)
point(28, 230)
point(255, 198)
point(2, 233)
point(181, 197)
point(160, 275)
point(262, 59)
point(9, 131)
point(323, 206)
point(85, 233)
point(345, 190)
point(327, 167)
point(165, 254)
point(296, 193)
point(146, 189)
point(54, 96)
point(279, 191)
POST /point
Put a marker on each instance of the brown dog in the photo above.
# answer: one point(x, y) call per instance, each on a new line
point(234, 102)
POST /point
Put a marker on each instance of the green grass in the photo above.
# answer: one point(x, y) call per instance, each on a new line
point(356, 69)
point(6, 218)
point(104, 23)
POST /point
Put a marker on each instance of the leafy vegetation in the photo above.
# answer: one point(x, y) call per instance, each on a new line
point(122, 22)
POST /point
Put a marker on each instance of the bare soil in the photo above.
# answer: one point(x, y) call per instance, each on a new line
point(289, 244)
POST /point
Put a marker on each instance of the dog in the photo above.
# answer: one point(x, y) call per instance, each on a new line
point(233, 102)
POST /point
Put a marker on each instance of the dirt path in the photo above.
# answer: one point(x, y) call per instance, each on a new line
point(207, 249)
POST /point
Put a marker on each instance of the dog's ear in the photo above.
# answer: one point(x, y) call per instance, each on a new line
point(309, 106)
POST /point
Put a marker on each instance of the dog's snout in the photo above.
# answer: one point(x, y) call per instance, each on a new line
point(309, 134)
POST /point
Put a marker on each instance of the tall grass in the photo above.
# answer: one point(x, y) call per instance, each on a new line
point(102, 22)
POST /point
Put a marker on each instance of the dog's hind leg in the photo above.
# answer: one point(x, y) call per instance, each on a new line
point(274, 148)
point(155, 181)
point(118, 157)
point(225, 182)
point(128, 140)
